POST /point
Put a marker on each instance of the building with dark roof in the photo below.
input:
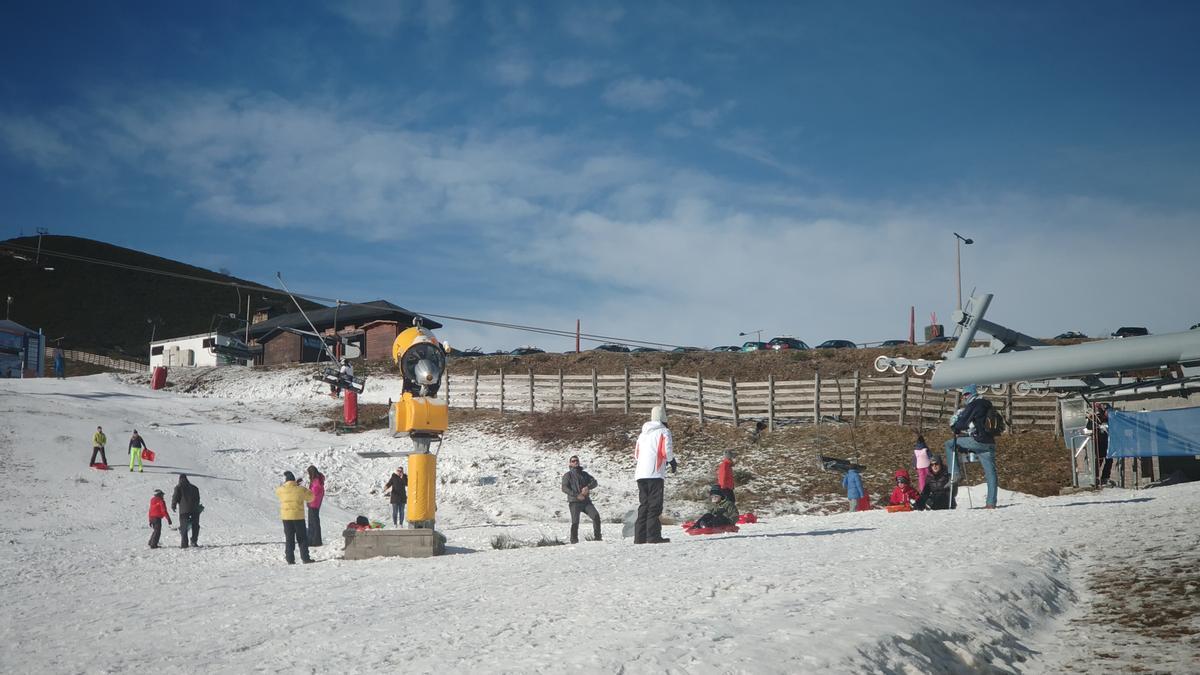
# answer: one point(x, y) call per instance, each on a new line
point(370, 326)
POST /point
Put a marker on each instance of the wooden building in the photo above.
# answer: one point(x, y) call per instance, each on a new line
point(371, 326)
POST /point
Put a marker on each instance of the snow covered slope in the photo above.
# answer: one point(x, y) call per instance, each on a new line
point(1009, 590)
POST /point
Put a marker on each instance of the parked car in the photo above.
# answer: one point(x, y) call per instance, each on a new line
point(465, 353)
point(1130, 331)
point(753, 346)
point(784, 342)
point(837, 344)
point(941, 340)
point(611, 348)
point(642, 350)
point(895, 343)
point(726, 348)
point(1195, 326)
point(526, 351)
point(686, 349)
point(1070, 335)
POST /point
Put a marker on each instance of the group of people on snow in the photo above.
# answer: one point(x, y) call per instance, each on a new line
point(186, 501)
point(295, 501)
point(974, 439)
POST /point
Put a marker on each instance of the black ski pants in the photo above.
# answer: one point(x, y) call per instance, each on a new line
point(647, 529)
point(186, 521)
point(98, 450)
point(156, 525)
point(294, 533)
point(584, 507)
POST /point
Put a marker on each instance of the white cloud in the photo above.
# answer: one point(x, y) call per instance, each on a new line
point(639, 93)
point(36, 141)
point(511, 69)
point(570, 73)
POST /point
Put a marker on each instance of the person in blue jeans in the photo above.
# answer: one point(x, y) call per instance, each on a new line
point(971, 435)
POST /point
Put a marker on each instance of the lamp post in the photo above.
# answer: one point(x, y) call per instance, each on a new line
point(958, 262)
point(8, 311)
point(757, 334)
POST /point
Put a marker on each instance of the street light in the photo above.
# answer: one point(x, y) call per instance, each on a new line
point(958, 262)
point(757, 334)
point(8, 311)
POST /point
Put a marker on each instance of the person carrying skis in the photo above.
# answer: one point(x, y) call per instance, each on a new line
point(721, 510)
point(653, 452)
point(971, 422)
point(187, 499)
point(158, 511)
point(316, 483)
point(578, 485)
point(292, 498)
point(725, 476)
point(98, 441)
point(136, 444)
point(854, 491)
point(397, 488)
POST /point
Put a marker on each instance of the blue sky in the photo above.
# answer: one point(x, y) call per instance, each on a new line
point(674, 172)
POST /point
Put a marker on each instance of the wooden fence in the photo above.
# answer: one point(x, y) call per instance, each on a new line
point(107, 362)
point(905, 399)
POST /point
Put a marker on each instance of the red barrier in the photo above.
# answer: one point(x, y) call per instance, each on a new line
point(350, 407)
point(158, 379)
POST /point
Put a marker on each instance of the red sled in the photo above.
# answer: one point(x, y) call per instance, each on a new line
point(747, 519)
point(899, 508)
point(723, 529)
point(99, 466)
point(147, 454)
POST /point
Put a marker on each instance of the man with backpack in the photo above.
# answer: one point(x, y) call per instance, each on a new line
point(976, 427)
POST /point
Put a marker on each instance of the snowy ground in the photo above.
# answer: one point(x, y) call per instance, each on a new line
point(1035, 586)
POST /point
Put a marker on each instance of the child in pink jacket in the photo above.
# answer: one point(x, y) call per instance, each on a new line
point(921, 458)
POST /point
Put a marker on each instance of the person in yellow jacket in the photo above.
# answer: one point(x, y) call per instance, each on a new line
point(292, 498)
point(98, 441)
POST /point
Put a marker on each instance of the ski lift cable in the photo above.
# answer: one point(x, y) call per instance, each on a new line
point(255, 288)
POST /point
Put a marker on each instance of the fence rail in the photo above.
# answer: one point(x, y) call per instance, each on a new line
point(906, 399)
point(96, 359)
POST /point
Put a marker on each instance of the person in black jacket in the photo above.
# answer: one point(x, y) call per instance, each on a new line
point(187, 499)
point(578, 485)
point(936, 495)
point(397, 487)
point(971, 422)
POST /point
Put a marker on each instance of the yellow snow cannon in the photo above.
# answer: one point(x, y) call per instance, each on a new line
point(420, 414)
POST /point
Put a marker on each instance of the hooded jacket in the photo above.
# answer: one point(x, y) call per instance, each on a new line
point(292, 498)
point(317, 487)
point(903, 494)
point(186, 497)
point(158, 508)
point(654, 451)
point(574, 480)
point(853, 484)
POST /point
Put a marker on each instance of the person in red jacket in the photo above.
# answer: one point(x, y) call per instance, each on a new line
point(158, 511)
point(725, 476)
point(903, 493)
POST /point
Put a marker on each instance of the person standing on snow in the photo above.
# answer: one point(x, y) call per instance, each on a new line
point(655, 450)
point(136, 444)
point(316, 483)
point(292, 498)
point(158, 511)
point(578, 485)
point(972, 421)
point(397, 488)
point(854, 490)
point(98, 441)
point(187, 498)
point(921, 461)
point(725, 476)
point(60, 364)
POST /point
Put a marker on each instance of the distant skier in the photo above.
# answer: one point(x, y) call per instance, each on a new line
point(653, 453)
point(721, 510)
point(136, 445)
point(725, 476)
point(397, 489)
point(292, 498)
point(578, 485)
point(158, 511)
point(187, 499)
point(60, 363)
point(316, 483)
point(98, 441)
point(855, 492)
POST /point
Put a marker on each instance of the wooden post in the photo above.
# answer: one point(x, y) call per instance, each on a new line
point(1008, 407)
point(561, 399)
point(1058, 421)
point(475, 392)
point(903, 396)
point(626, 390)
point(817, 397)
point(501, 390)
point(771, 402)
point(700, 396)
point(446, 387)
point(662, 377)
point(733, 398)
point(857, 396)
point(595, 393)
point(531, 390)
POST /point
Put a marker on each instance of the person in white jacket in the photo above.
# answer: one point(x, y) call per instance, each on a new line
point(654, 452)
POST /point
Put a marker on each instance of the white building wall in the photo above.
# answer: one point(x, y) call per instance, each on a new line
point(186, 352)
